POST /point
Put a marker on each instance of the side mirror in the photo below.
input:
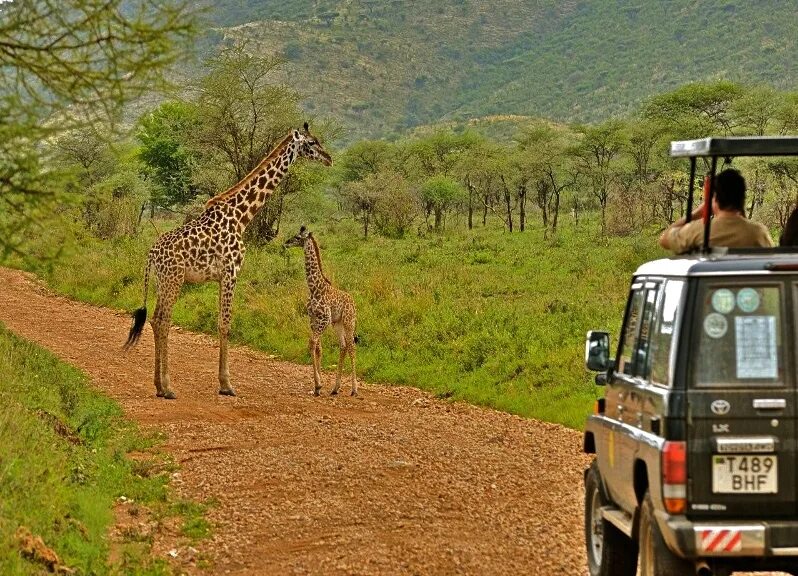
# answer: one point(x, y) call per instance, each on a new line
point(597, 351)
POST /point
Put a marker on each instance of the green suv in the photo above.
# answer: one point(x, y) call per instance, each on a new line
point(696, 438)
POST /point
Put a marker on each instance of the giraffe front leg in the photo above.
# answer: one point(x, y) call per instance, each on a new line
point(315, 354)
point(226, 289)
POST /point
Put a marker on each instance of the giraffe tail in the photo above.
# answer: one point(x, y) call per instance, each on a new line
point(356, 339)
point(140, 315)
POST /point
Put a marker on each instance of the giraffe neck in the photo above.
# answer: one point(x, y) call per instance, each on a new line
point(246, 198)
point(317, 282)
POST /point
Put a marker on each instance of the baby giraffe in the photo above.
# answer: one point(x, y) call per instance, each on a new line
point(326, 305)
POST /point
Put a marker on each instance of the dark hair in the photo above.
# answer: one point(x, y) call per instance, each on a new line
point(730, 190)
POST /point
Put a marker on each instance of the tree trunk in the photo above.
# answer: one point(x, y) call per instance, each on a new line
point(507, 203)
point(555, 212)
point(471, 193)
point(522, 207)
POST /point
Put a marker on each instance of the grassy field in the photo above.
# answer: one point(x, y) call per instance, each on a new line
point(63, 465)
point(483, 316)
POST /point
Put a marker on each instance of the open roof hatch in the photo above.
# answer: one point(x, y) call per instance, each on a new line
point(727, 148)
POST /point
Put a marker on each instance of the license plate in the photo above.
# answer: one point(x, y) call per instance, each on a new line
point(744, 474)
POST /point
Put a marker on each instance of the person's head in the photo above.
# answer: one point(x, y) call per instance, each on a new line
point(730, 190)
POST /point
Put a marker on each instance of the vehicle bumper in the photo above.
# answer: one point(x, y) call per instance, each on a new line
point(752, 539)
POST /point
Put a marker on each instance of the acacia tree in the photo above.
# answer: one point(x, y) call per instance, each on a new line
point(67, 64)
point(385, 198)
point(786, 116)
point(245, 111)
point(170, 159)
point(88, 150)
point(545, 149)
point(755, 109)
point(439, 194)
point(596, 156)
point(363, 158)
point(695, 110)
point(477, 167)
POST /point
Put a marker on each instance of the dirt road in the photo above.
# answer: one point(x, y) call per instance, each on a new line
point(391, 482)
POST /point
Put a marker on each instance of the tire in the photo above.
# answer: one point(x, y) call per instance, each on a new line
point(656, 559)
point(609, 551)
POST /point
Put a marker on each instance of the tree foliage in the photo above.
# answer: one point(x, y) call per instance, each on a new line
point(245, 108)
point(67, 64)
point(167, 151)
point(439, 194)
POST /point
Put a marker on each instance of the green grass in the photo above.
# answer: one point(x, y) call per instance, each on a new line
point(63, 465)
point(482, 316)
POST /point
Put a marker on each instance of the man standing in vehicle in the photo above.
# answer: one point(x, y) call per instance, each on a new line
point(730, 227)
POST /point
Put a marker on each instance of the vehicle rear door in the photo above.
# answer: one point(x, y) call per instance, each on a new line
point(742, 399)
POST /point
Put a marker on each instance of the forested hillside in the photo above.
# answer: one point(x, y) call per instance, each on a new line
point(383, 66)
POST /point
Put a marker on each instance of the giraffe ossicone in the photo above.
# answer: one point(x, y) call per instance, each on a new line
point(211, 248)
point(327, 306)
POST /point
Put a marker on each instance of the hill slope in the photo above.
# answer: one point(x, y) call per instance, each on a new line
point(382, 66)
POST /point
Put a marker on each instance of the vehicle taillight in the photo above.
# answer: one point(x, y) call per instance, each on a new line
point(674, 477)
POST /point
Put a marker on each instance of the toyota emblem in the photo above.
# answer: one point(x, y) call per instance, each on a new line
point(720, 407)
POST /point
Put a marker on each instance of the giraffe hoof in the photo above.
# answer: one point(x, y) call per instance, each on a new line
point(159, 394)
point(227, 392)
point(317, 392)
point(353, 393)
point(169, 395)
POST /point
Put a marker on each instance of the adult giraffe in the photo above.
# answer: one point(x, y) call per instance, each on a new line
point(211, 248)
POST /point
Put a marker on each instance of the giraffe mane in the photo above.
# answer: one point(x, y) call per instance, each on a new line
point(318, 258)
point(237, 186)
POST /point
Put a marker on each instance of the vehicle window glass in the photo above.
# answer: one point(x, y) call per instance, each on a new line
point(634, 357)
point(643, 361)
point(631, 326)
point(740, 336)
point(664, 327)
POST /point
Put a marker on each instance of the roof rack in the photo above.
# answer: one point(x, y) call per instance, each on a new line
point(727, 148)
point(736, 146)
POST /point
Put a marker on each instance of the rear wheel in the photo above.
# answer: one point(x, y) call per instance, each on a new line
point(609, 551)
point(656, 559)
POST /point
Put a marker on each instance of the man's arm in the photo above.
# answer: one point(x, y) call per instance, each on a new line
point(665, 237)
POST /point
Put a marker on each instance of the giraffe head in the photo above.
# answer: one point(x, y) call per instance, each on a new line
point(298, 240)
point(309, 146)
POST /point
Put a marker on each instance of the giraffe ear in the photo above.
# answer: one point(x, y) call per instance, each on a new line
point(302, 229)
point(306, 127)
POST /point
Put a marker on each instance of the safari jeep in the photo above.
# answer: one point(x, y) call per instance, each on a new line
point(696, 437)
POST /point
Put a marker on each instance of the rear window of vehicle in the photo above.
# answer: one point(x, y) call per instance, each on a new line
point(740, 335)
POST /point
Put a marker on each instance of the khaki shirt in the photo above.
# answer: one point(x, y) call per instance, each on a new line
point(729, 231)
